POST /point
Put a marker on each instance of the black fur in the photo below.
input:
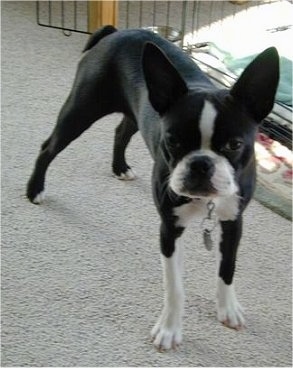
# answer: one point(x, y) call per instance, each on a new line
point(161, 92)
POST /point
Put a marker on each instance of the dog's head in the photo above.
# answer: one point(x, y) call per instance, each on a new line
point(208, 134)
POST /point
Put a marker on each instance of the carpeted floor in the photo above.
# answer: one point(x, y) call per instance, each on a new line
point(81, 274)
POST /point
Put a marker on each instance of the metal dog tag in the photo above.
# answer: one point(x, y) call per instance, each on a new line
point(207, 239)
point(208, 224)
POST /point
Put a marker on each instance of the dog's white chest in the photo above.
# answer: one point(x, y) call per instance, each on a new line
point(186, 212)
point(226, 208)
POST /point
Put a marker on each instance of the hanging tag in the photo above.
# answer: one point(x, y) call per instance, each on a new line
point(208, 224)
point(207, 239)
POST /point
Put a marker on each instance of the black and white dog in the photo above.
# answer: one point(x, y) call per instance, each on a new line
point(200, 137)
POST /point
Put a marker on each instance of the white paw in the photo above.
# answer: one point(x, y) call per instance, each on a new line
point(39, 198)
point(166, 336)
point(231, 315)
point(229, 310)
point(128, 175)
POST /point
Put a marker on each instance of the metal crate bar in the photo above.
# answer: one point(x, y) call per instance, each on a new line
point(48, 11)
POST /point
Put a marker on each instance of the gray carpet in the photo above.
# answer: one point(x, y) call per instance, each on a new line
point(81, 275)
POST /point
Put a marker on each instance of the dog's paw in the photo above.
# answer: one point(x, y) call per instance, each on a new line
point(127, 175)
point(165, 337)
point(232, 316)
point(38, 199)
point(35, 189)
point(229, 310)
point(35, 194)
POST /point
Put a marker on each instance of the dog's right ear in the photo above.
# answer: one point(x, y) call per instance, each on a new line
point(164, 83)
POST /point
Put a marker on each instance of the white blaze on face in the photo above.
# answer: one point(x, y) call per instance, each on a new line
point(223, 178)
point(207, 125)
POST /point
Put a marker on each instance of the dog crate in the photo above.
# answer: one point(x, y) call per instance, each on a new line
point(221, 36)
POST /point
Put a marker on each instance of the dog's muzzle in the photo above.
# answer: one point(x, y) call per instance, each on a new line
point(203, 174)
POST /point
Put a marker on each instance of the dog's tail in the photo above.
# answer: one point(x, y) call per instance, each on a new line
point(98, 35)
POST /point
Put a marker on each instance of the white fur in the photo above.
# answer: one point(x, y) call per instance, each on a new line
point(226, 208)
point(167, 332)
point(229, 310)
point(207, 124)
point(222, 180)
point(39, 198)
point(177, 176)
point(186, 212)
point(128, 175)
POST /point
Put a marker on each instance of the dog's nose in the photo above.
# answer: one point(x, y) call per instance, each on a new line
point(202, 165)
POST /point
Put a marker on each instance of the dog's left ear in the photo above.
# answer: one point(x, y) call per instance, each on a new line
point(257, 85)
point(164, 83)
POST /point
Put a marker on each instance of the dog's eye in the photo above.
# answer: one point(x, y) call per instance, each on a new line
point(172, 142)
point(234, 144)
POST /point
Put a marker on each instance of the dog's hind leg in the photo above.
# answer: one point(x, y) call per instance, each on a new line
point(123, 133)
point(75, 117)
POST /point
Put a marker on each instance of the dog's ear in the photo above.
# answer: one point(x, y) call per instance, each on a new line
point(257, 85)
point(164, 83)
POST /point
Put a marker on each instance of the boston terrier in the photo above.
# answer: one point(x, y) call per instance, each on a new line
point(200, 137)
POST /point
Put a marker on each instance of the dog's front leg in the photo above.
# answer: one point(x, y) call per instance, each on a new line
point(167, 333)
point(229, 310)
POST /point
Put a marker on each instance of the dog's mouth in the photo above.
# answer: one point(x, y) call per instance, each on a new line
point(193, 187)
point(203, 176)
point(206, 190)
